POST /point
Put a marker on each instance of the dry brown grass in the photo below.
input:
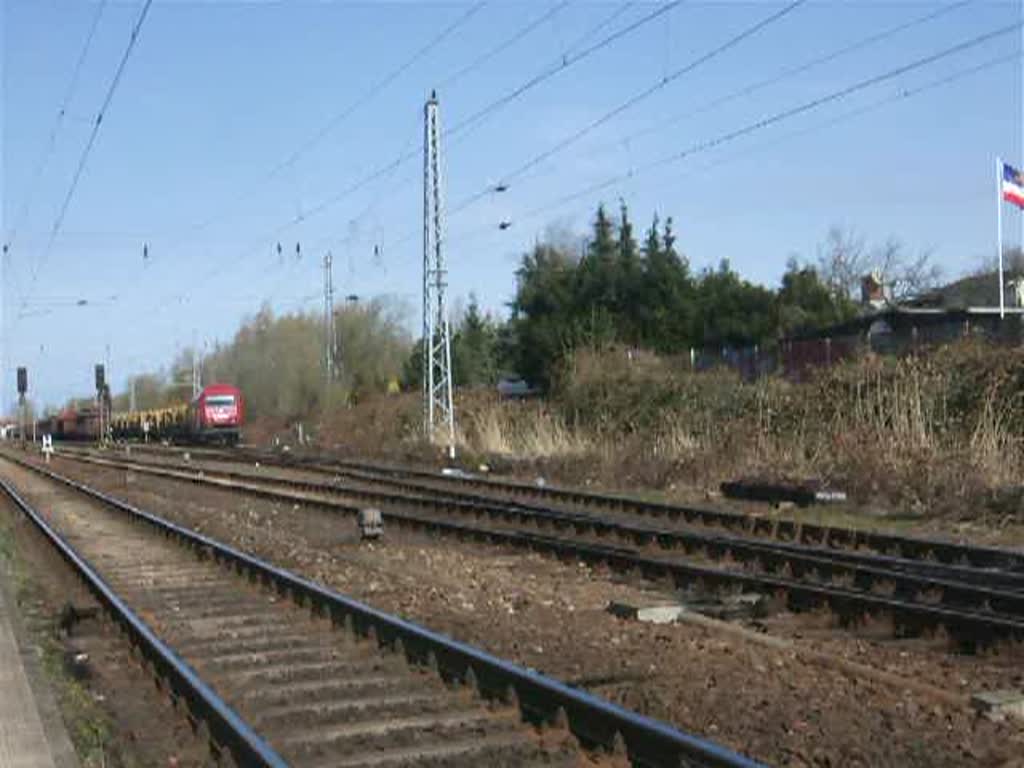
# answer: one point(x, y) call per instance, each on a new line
point(931, 434)
point(939, 433)
point(521, 430)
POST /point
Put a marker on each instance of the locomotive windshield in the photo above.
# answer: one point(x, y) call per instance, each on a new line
point(220, 400)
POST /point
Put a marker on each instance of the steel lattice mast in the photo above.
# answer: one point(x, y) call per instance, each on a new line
point(438, 406)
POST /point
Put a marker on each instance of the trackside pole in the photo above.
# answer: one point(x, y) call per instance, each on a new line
point(999, 233)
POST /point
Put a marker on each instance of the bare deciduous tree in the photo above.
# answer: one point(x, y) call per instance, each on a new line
point(843, 261)
point(905, 275)
point(845, 258)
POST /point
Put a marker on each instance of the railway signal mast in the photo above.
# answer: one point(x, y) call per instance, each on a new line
point(22, 389)
point(438, 405)
point(102, 403)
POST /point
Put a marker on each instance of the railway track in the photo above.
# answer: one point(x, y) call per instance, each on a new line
point(974, 606)
point(846, 543)
point(275, 670)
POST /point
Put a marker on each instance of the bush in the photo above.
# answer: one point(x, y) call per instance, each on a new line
point(935, 432)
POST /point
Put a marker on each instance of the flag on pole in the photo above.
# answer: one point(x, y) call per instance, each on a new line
point(1013, 185)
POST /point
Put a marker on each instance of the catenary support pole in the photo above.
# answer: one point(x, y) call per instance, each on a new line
point(438, 402)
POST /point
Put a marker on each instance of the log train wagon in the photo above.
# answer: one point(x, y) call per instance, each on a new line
point(215, 415)
point(70, 424)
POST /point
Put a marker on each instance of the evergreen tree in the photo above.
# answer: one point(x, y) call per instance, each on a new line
point(805, 301)
point(474, 349)
point(544, 312)
point(731, 311)
point(667, 293)
point(597, 278)
point(648, 297)
point(630, 289)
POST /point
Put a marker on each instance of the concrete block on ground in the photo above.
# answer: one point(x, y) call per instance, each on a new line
point(651, 613)
point(999, 705)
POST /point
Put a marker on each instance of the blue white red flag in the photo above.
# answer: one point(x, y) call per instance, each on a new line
point(1013, 185)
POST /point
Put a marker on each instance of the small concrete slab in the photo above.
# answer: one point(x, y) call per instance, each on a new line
point(651, 613)
point(998, 705)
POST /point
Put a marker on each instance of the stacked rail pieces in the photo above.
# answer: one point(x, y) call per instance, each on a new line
point(976, 605)
point(319, 678)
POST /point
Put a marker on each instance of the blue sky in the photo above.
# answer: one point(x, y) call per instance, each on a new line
point(216, 95)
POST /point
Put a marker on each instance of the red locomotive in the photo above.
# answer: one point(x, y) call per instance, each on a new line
point(216, 414)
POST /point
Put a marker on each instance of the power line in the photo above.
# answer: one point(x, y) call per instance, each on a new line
point(329, 242)
point(786, 114)
point(637, 98)
point(334, 121)
point(379, 86)
point(973, 42)
point(564, 63)
point(89, 144)
point(503, 46)
point(51, 144)
point(406, 156)
point(900, 95)
point(785, 74)
point(600, 26)
point(463, 130)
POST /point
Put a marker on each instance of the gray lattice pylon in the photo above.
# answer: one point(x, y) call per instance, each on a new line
point(438, 404)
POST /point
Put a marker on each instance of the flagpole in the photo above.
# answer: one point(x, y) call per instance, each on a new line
point(999, 233)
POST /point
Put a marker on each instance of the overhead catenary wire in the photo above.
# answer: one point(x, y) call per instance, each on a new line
point(51, 143)
point(873, 38)
point(352, 237)
point(386, 170)
point(635, 99)
point(901, 95)
point(800, 109)
point(560, 66)
point(599, 27)
point(563, 64)
point(338, 118)
point(87, 150)
point(785, 74)
point(503, 46)
point(461, 131)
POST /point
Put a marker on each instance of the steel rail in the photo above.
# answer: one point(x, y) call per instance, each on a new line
point(770, 557)
point(594, 721)
point(966, 624)
point(907, 547)
point(985, 577)
point(227, 730)
point(1006, 581)
point(927, 550)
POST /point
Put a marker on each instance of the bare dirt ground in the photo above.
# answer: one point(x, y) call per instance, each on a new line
point(769, 703)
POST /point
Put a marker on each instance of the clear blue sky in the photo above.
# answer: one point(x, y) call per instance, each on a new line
point(216, 94)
